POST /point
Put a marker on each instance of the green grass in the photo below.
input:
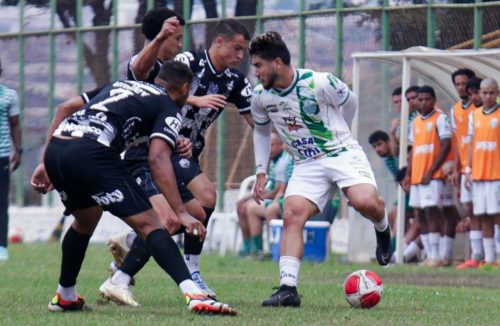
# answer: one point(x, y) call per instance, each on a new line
point(412, 296)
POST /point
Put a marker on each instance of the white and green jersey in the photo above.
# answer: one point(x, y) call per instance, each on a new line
point(307, 115)
point(8, 108)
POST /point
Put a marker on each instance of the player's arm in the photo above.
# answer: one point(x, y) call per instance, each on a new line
point(145, 60)
point(444, 132)
point(241, 97)
point(337, 94)
point(15, 133)
point(160, 152)
point(455, 175)
point(468, 168)
point(406, 184)
point(262, 150)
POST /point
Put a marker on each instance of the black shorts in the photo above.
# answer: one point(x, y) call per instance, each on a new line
point(185, 169)
point(86, 173)
point(141, 173)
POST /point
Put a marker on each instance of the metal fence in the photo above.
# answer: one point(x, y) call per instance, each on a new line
point(53, 49)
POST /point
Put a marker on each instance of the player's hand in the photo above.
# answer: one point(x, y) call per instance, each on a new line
point(184, 147)
point(15, 161)
point(40, 180)
point(468, 181)
point(406, 184)
point(454, 177)
point(168, 29)
point(193, 226)
point(426, 179)
point(259, 189)
point(213, 101)
point(395, 123)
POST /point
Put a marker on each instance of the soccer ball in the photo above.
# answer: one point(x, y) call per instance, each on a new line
point(363, 289)
point(16, 234)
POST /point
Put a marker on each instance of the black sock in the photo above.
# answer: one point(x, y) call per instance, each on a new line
point(74, 246)
point(193, 245)
point(167, 255)
point(136, 258)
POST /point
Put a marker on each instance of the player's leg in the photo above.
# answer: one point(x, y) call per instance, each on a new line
point(491, 190)
point(448, 227)
point(4, 205)
point(241, 210)
point(497, 237)
point(255, 213)
point(273, 211)
point(307, 190)
point(204, 191)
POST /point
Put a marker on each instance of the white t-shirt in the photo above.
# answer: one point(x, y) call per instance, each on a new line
point(307, 115)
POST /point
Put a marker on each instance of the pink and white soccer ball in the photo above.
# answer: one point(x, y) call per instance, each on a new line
point(16, 234)
point(363, 289)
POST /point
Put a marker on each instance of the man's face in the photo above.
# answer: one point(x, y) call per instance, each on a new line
point(382, 148)
point(396, 102)
point(460, 83)
point(265, 70)
point(425, 103)
point(276, 145)
point(172, 45)
point(411, 97)
point(231, 51)
point(475, 98)
point(488, 96)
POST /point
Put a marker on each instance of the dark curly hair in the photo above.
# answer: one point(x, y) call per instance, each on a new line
point(269, 46)
point(153, 21)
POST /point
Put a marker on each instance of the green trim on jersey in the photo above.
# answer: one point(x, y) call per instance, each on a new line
point(290, 88)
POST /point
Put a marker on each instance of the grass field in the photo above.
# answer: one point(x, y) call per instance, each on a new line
point(412, 296)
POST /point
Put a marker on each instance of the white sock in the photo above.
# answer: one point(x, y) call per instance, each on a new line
point(289, 270)
point(447, 252)
point(489, 250)
point(382, 225)
point(476, 244)
point(188, 286)
point(68, 293)
point(434, 242)
point(411, 250)
point(426, 243)
point(120, 278)
point(497, 240)
point(441, 247)
point(130, 238)
point(192, 263)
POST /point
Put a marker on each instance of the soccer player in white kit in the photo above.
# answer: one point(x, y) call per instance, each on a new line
point(311, 111)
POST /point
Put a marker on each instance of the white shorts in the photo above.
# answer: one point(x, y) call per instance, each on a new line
point(486, 197)
point(422, 196)
point(317, 180)
point(448, 194)
point(465, 195)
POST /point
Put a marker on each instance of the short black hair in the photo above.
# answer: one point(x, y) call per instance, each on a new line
point(153, 21)
point(397, 91)
point(412, 88)
point(400, 176)
point(228, 28)
point(175, 73)
point(378, 135)
point(270, 46)
point(427, 89)
point(462, 71)
point(474, 83)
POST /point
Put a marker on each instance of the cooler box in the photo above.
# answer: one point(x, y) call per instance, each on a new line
point(315, 240)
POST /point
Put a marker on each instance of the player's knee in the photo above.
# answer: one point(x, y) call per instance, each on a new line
point(208, 196)
point(294, 217)
point(369, 204)
point(241, 206)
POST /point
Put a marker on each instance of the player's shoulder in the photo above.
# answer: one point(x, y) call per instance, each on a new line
point(8, 92)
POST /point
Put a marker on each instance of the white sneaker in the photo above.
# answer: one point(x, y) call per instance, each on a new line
point(202, 304)
point(200, 282)
point(118, 247)
point(117, 293)
point(4, 254)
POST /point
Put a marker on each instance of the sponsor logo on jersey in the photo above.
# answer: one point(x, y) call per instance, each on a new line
point(494, 122)
point(292, 124)
point(303, 141)
point(184, 163)
point(284, 106)
point(247, 91)
point(108, 198)
point(138, 180)
point(424, 149)
point(428, 126)
point(174, 124)
point(487, 146)
point(309, 152)
point(271, 108)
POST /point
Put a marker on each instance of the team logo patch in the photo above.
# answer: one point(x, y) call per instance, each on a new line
point(494, 123)
point(108, 198)
point(184, 163)
point(428, 126)
point(173, 124)
point(310, 107)
point(292, 124)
